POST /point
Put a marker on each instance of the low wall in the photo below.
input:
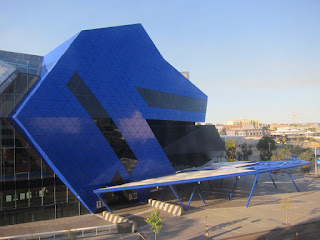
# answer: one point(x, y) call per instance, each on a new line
point(113, 218)
point(124, 225)
point(167, 207)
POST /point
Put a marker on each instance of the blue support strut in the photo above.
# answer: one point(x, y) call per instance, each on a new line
point(234, 187)
point(272, 179)
point(174, 192)
point(104, 203)
point(194, 190)
point(210, 184)
point(292, 180)
point(254, 184)
point(200, 195)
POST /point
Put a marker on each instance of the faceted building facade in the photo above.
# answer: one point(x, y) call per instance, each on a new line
point(103, 108)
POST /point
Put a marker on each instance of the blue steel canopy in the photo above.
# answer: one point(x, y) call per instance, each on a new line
point(207, 172)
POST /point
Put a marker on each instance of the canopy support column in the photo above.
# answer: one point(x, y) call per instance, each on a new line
point(210, 185)
point(104, 203)
point(234, 188)
point(194, 190)
point(292, 180)
point(254, 184)
point(174, 192)
point(272, 179)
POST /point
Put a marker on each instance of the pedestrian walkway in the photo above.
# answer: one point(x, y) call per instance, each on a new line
point(67, 223)
point(226, 219)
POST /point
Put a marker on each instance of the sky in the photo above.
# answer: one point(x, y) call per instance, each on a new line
point(253, 59)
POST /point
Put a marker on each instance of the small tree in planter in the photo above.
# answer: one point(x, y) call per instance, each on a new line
point(155, 222)
point(286, 204)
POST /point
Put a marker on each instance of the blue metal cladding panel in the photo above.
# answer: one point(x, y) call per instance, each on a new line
point(112, 63)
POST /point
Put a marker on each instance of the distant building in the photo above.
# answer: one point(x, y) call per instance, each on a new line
point(254, 133)
point(220, 127)
point(293, 134)
point(311, 144)
point(186, 75)
point(275, 126)
point(245, 123)
point(264, 125)
point(230, 127)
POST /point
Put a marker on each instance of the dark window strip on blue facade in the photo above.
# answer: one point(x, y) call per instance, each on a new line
point(103, 121)
point(86, 98)
point(160, 99)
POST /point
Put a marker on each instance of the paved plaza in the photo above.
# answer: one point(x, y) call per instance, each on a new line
point(226, 219)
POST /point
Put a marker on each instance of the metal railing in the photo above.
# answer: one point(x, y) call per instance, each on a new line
point(76, 233)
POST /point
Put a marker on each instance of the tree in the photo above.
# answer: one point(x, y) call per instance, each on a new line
point(155, 222)
point(307, 155)
point(286, 204)
point(298, 141)
point(265, 146)
point(222, 133)
point(305, 169)
point(283, 140)
point(283, 154)
point(296, 150)
point(230, 151)
point(246, 152)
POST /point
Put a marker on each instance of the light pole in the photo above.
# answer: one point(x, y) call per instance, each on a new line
point(315, 161)
point(269, 143)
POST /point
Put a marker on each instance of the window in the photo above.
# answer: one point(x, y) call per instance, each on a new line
point(22, 196)
point(8, 198)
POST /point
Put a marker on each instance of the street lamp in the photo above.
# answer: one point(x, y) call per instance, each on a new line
point(269, 143)
point(315, 161)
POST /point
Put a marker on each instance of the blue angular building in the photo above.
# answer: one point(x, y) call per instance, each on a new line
point(103, 108)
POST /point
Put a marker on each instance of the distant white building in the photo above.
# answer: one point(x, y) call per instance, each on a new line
point(186, 75)
point(253, 133)
point(245, 123)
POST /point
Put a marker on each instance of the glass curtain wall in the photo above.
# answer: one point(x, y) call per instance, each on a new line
point(29, 189)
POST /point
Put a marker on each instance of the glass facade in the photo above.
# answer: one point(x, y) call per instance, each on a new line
point(25, 63)
point(28, 67)
point(29, 189)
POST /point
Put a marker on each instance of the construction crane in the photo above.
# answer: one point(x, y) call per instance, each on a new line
point(293, 115)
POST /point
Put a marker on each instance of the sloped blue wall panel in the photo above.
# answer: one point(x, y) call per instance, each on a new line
point(112, 62)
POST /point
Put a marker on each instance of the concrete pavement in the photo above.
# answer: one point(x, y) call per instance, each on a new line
point(230, 219)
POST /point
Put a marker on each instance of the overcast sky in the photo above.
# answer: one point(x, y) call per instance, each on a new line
point(253, 59)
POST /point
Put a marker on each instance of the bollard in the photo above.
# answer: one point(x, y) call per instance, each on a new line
point(207, 228)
